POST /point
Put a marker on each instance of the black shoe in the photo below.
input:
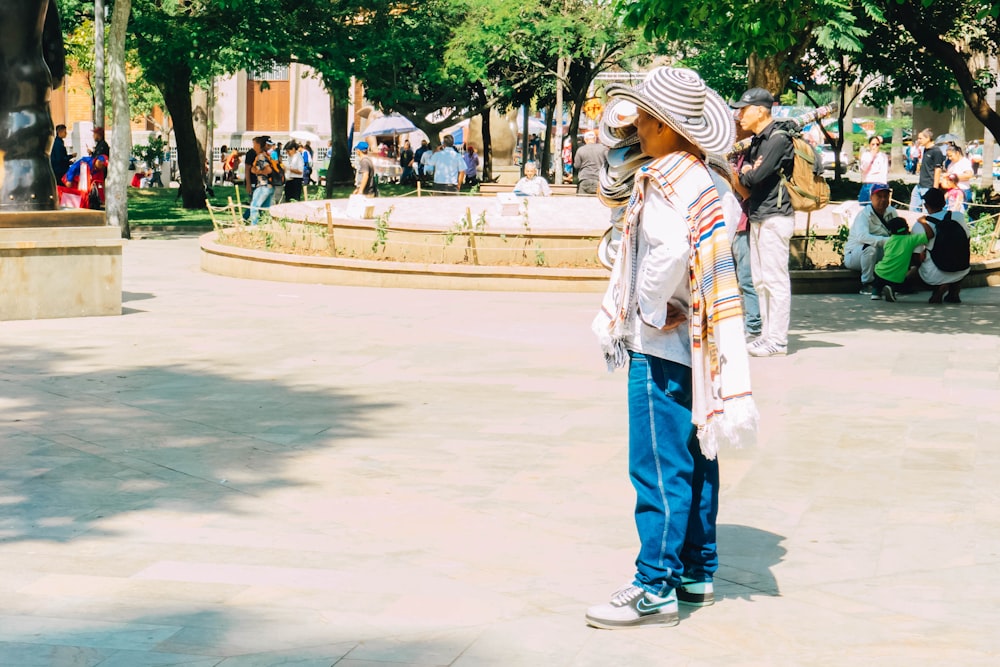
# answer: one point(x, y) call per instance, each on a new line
point(888, 294)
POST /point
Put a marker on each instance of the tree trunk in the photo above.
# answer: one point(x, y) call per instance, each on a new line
point(200, 115)
point(487, 146)
point(765, 72)
point(339, 170)
point(116, 192)
point(177, 96)
point(545, 160)
point(896, 166)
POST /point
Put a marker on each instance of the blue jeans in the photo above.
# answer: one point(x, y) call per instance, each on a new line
point(261, 199)
point(751, 305)
point(677, 488)
point(917, 198)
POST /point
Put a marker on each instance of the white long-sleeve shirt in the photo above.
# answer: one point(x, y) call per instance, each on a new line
point(874, 167)
point(663, 250)
point(867, 229)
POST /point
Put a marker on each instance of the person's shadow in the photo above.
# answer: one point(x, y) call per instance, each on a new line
point(747, 555)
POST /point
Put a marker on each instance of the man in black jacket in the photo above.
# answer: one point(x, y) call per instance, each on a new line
point(772, 219)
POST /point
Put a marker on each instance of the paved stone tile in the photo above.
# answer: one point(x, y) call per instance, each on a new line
point(249, 474)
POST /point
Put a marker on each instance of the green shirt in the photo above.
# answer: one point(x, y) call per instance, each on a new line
point(896, 260)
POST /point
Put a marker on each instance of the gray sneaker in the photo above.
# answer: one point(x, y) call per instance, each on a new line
point(695, 593)
point(632, 607)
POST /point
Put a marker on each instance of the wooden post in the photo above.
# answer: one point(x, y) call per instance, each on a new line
point(232, 211)
point(329, 230)
point(472, 237)
point(418, 187)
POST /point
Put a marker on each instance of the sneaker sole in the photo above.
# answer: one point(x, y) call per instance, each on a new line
point(652, 620)
point(695, 599)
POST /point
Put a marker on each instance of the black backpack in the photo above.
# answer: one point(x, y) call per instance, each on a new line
point(951, 245)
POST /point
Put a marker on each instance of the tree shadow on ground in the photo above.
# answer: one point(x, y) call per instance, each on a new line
point(978, 314)
point(82, 447)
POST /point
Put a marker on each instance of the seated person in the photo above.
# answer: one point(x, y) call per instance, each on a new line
point(946, 261)
point(891, 271)
point(864, 247)
point(531, 184)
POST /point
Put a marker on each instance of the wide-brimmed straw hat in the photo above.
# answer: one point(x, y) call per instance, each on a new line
point(679, 98)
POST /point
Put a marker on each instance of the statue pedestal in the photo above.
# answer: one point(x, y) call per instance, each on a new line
point(64, 263)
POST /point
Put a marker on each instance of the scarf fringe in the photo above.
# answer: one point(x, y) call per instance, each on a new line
point(735, 427)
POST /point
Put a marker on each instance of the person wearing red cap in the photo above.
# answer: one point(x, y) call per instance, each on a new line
point(869, 232)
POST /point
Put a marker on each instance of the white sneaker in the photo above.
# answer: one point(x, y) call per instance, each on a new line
point(632, 607)
point(768, 350)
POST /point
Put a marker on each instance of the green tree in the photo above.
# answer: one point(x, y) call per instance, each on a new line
point(771, 37)
point(181, 44)
point(956, 36)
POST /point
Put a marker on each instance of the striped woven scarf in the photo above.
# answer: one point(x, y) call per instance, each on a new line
point(722, 404)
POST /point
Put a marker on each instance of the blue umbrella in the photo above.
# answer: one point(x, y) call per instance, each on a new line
point(391, 124)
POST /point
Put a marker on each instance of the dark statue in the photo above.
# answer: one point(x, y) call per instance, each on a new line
point(34, 62)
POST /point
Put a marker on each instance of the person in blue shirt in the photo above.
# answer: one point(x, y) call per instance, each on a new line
point(449, 167)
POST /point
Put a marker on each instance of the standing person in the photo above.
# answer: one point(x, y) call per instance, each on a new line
point(874, 169)
point(100, 145)
point(406, 157)
point(588, 162)
point(293, 172)
point(307, 164)
point(672, 313)
point(249, 180)
point(449, 167)
point(263, 191)
point(365, 182)
point(741, 251)
point(59, 156)
point(931, 167)
point(772, 219)
point(418, 158)
point(960, 166)
point(471, 165)
point(277, 176)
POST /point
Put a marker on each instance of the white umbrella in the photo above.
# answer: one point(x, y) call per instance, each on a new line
point(305, 135)
point(391, 124)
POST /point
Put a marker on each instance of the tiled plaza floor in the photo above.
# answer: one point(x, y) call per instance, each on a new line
point(248, 474)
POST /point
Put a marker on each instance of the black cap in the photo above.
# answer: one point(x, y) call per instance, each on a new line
point(934, 197)
point(758, 96)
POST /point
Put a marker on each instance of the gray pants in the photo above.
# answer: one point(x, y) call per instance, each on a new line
point(864, 259)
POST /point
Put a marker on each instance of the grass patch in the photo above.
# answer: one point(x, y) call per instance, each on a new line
point(160, 207)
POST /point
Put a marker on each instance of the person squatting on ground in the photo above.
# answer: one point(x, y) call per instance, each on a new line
point(868, 235)
point(672, 313)
point(891, 271)
point(772, 219)
point(946, 262)
point(931, 167)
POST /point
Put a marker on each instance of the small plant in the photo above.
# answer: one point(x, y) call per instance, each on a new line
point(981, 235)
point(840, 239)
point(381, 231)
